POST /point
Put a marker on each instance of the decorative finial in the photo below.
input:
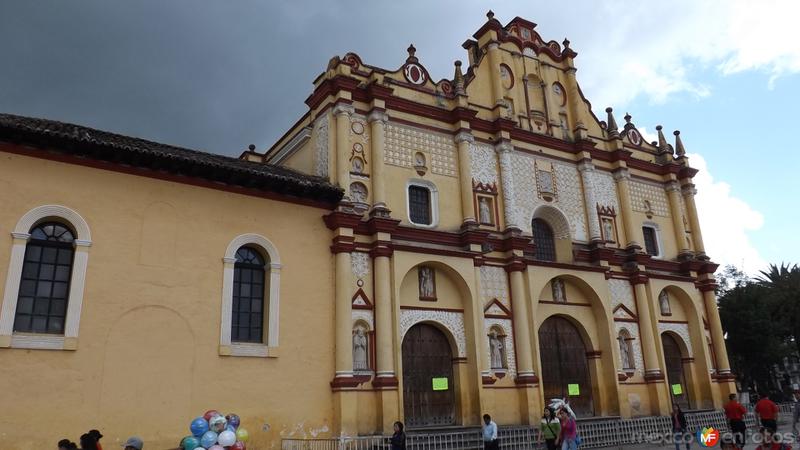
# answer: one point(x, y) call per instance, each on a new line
point(458, 78)
point(411, 54)
point(251, 147)
point(662, 142)
point(490, 15)
point(628, 117)
point(566, 44)
point(611, 127)
point(679, 150)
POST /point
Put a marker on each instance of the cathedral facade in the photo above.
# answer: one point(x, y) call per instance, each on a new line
point(415, 250)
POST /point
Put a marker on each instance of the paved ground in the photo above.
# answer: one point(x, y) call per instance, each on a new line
point(783, 427)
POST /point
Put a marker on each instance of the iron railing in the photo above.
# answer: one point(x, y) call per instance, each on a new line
point(594, 433)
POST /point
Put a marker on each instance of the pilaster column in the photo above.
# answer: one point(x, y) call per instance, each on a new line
point(647, 331)
point(464, 140)
point(715, 325)
point(8, 309)
point(689, 192)
point(586, 169)
point(522, 333)
point(494, 62)
point(343, 112)
point(377, 120)
point(633, 234)
point(383, 318)
point(574, 104)
point(673, 193)
point(503, 150)
point(343, 315)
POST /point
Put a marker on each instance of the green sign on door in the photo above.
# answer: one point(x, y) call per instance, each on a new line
point(574, 389)
point(677, 389)
point(440, 384)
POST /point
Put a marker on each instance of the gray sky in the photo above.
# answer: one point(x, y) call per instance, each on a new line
point(208, 75)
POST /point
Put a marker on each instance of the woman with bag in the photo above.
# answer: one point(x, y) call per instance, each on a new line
point(568, 437)
point(549, 428)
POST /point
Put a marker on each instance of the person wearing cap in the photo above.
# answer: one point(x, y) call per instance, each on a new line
point(96, 435)
point(133, 443)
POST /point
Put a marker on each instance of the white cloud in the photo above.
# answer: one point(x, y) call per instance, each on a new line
point(657, 49)
point(726, 220)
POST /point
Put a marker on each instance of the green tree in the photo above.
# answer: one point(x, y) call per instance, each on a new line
point(753, 339)
point(782, 287)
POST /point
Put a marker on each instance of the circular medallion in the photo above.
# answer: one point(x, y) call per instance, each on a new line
point(414, 73)
point(506, 76)
point(357, 127)
point(360, 283)
point(358, 148)
point(635, 137)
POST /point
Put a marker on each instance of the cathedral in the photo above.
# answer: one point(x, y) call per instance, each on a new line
point(410, 249)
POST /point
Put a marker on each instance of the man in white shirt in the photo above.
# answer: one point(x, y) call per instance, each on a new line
point(489, 434)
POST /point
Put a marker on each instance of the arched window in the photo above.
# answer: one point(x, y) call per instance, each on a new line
point(626, 350)
point(250, 298)
point(43, 296)
point(44, 285)
point(247, 319)
point(543, 240)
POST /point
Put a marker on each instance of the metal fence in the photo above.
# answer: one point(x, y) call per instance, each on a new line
point(594, 433)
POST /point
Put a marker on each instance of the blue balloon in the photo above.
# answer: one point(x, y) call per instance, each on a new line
point(198, 427)
point(233, 420)
point(208, 439)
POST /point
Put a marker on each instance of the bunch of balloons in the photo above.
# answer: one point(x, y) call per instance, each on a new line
point(213, 431)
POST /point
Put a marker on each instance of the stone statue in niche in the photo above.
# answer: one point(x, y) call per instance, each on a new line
point(360, 350)
point(358, 165)
point(608, 230)
point(625, 351)
point(663, 302)
point(358, 193)
point(427, 283)
point(485, 210)
point(496, 350)
point(559, 293)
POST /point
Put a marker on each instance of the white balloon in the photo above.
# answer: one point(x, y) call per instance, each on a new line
point(227, 438)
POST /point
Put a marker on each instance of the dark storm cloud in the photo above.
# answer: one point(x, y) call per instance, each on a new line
point(207, 75)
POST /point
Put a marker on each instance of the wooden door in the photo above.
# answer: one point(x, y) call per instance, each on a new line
point(564, 363)
point(673, 359)
point(427, 356)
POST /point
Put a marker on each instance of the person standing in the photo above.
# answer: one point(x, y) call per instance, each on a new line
point(735, 413)
point(96, 435)
point(133, 443)
point(398, 439)
point(767, 413)
point(549, 428)
point(88, 442)
point(489, 433)
point(679, 427)
point(568, 435)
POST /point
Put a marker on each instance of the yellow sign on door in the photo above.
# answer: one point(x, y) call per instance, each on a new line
point(677, 389)
point(574, 389)
point(440, 384)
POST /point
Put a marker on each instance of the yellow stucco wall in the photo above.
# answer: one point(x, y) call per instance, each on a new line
point(147, 360)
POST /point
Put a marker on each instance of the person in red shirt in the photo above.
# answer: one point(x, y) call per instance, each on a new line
point(767, 412)
point(735, 413)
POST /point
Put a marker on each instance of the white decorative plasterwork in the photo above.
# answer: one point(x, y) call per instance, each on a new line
point(681, 329)
point(8, 309)
point(621, 293)
point(524, 194)
point(494, 285)
point(484, 164)
point(505, 325)
point(654, 194)
point(360, 262)
point(605, 190)
point(451, 320)
point(403, 142)
point(633, 330)
point(365, 315)
point(321, 148)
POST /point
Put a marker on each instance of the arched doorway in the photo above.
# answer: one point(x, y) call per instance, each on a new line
point(673, 359)
point(564, 365)
point(428, 391)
